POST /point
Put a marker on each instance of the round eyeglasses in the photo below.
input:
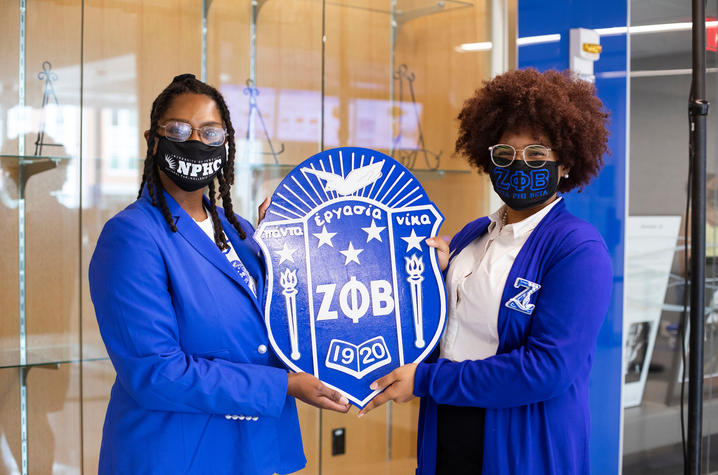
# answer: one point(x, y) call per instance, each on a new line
point(535, 156)
point(178, 131)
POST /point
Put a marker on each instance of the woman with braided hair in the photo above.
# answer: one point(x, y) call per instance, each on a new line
point(177, 284)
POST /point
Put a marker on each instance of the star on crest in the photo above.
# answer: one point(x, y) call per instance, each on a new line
point(286, 254)
point(373, 231)
point(413, 241)
point(351, 254)
point(324, 237)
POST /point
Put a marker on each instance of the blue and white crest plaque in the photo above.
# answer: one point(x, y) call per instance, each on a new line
point(353, 291)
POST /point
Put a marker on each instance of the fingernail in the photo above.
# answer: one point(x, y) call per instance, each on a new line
point(344, 400)
point(373, 386)
point(361, 414)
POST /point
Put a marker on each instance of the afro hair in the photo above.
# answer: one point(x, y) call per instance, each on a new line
point(553, 104)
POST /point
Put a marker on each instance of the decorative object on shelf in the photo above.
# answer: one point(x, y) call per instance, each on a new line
point(252, 92)
point(22, 167)
point(48, 95)
point(353, 290)
point(408, 157)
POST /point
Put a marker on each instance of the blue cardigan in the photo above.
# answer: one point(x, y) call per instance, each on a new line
point(188, 342)
point(535, 389)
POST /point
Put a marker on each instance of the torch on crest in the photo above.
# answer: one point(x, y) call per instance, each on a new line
point(415, 269)
point(288, 281)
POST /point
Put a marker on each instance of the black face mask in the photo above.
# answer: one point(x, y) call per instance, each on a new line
point(191, 165)
point(521, 187)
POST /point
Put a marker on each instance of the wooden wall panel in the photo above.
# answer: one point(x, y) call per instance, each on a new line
point(10, 417)
point(309, 422)
point(169, 34)
point(228, 29)
point(54, 437)
point(9, 299)
point(9, 26)
point(53, 430)
point(52, 267)
point(357, 60)
point(444, 77)
point(52, 234)
point(97, 380)
point(288, 74)
point(9, 325)
point(404, 419)
point(289, 61)
point(365, 439)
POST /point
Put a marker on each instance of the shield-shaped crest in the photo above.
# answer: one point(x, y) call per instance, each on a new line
point(353, 291)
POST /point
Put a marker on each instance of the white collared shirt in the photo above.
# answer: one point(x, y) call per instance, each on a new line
point(208, 227)
point(475, 283)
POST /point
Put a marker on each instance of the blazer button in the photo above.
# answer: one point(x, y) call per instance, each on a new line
point(262, 349)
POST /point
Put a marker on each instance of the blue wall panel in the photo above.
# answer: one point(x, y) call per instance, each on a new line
point(601, 203)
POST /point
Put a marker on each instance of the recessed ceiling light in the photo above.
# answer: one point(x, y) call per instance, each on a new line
point(527, 40)
point(616, 30)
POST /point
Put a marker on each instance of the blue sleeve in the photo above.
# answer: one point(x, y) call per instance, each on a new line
point(574, 298)
point(133, 304)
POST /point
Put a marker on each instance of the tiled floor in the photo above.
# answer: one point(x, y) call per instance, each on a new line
point(668, 461)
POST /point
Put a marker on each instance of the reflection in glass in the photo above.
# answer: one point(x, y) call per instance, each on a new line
point(660, 69)
point(72, 148)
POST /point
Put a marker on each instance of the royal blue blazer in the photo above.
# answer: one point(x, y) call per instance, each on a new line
point(187, 339)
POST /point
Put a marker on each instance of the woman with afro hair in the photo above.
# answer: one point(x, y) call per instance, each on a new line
point(528, 288)
point(178, 284)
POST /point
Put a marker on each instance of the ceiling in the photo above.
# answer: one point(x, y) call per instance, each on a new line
point(667, 50)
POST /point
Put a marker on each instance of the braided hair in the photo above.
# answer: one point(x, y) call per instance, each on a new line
point(183, 84)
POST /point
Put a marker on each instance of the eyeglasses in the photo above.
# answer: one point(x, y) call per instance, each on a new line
point(535, 156)
point(178, 131)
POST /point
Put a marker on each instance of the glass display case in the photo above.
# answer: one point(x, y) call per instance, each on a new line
point(658, 253)
point(299, 76)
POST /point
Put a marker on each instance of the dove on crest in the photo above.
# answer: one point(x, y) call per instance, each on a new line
point(355, 180)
